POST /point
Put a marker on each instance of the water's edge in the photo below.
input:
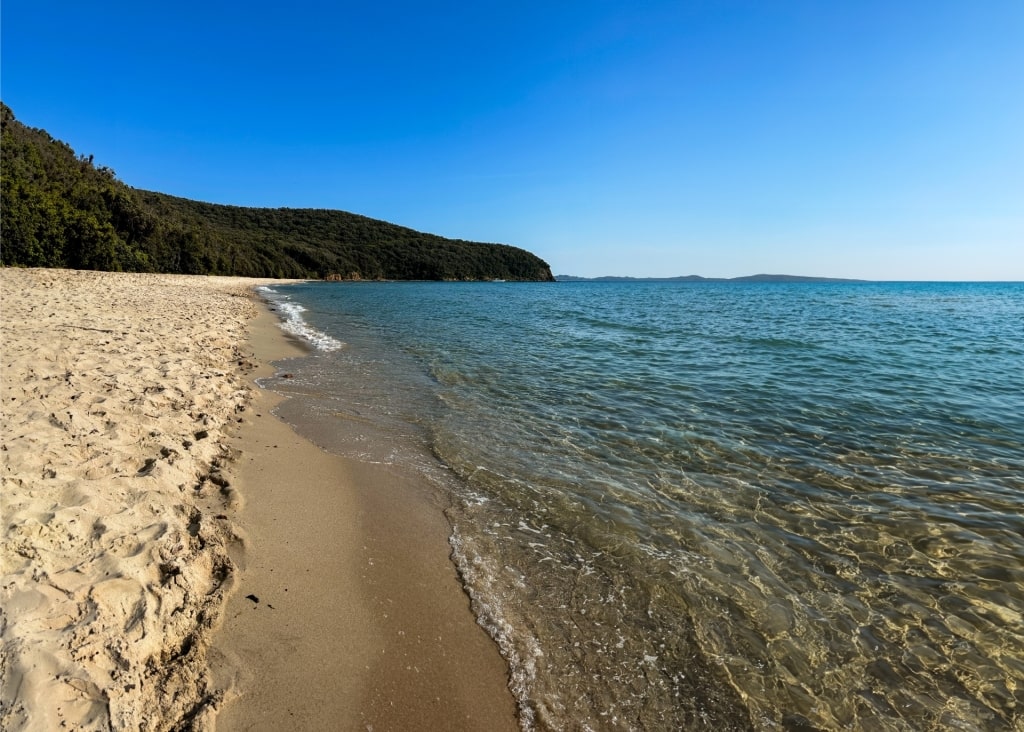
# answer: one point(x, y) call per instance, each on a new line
point(676, 506)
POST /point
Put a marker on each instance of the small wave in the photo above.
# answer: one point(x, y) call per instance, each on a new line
point(293, 322)
point(520, 650)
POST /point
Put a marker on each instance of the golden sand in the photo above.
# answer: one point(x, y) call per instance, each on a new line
point(122, 479)
point(117, 393)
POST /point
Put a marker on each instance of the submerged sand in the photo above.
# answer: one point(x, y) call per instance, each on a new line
point(123, 532)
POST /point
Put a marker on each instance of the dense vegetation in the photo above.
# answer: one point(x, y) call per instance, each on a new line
point(60, 210)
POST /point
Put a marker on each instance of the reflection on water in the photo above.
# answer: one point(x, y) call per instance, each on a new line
point(717, 506)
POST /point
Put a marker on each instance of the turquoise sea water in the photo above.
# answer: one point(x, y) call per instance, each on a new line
point(715, 505)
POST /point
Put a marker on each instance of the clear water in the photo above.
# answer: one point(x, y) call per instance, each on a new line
point(719, 505)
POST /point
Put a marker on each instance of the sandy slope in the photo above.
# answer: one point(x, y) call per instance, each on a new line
point(117, 393)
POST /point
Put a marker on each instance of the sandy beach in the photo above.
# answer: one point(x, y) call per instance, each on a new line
point(175, 557)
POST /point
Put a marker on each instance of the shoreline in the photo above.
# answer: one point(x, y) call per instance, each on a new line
point(144, 502)
point(351, 575)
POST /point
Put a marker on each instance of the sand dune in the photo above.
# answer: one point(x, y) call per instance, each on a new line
point(117, 393)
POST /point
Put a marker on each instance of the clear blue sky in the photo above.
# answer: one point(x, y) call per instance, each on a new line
point(881, 139)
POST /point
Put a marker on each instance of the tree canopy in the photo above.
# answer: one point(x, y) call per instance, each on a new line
point(59, 209)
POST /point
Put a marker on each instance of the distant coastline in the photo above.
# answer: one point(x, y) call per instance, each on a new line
point(698, 278)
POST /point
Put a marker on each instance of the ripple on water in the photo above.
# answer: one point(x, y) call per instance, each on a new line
point(714, 506)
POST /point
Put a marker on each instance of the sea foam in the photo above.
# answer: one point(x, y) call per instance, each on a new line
point(293, 322)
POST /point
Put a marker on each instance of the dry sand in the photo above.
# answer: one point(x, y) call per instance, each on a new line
point(117, 393)
point(122, 532)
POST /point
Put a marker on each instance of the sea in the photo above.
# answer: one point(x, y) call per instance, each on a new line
point(719, 505)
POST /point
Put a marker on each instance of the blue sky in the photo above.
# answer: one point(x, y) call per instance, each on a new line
point(882, 140)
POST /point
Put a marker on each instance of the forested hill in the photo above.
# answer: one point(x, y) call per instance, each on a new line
point(61, 210)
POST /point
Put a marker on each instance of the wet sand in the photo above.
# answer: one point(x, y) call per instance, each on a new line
point(348, 614)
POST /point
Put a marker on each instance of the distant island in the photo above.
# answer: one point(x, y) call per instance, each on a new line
point(698, 278)
point(61, 210)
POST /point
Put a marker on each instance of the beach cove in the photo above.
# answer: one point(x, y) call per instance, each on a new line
point(173, 556)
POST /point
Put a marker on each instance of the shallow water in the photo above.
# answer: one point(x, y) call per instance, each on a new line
point(712, 505)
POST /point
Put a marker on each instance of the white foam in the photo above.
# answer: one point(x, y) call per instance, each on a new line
point(293, 322)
